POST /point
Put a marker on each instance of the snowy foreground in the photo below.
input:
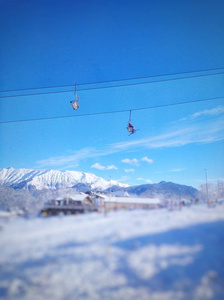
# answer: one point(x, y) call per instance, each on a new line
point(155, 254)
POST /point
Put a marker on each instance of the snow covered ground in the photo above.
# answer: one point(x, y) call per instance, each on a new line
point(156, 254)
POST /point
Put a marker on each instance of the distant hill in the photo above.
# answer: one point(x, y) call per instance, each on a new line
point(164, 190)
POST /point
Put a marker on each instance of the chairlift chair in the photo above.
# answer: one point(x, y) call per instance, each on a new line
point(130, 127)
point(75, 103)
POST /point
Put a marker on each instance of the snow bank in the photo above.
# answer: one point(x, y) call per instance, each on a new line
point(155, 254)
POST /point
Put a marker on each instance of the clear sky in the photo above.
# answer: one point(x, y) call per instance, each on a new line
point(54, 43)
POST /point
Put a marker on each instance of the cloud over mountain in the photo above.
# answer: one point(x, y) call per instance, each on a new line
point(100, 167)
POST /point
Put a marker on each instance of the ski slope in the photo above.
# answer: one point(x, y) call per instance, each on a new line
point(156, 254)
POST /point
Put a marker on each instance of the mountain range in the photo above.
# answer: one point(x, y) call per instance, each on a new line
point(52, 179)
point(28, 189)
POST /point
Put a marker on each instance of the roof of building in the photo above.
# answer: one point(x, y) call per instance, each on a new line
point(77, 197)
point(132, 200)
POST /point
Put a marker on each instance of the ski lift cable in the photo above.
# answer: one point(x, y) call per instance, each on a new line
point(116, 80)
point(113, 112)
point(115, 86)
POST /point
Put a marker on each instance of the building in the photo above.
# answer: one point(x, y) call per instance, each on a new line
point(75, 204)
point(127, 202)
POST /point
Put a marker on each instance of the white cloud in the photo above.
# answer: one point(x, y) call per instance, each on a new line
point(133, 161)
point(177, 170)
point(111, 167)
point(100, 167)
point(67, 161)
point(72, 160)
point(209, 112)
point(148, 160)
point(123, 178)
point(129, 170)
point(148, 181)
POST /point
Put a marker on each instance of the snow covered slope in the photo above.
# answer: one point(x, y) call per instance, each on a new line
point(51, 179)
point(128, 255)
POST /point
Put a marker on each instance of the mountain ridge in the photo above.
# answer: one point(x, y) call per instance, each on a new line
point(52, 179)
point(166, 190)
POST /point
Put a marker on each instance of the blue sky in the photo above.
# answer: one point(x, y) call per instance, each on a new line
point(51, 43)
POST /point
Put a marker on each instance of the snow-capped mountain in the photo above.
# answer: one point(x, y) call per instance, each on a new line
point(51, 179)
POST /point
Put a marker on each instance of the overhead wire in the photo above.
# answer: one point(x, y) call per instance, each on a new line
point(113, 112)
point(114, 80)
point(112, 86)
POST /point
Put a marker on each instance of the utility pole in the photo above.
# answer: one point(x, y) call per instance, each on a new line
point(206, 180)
